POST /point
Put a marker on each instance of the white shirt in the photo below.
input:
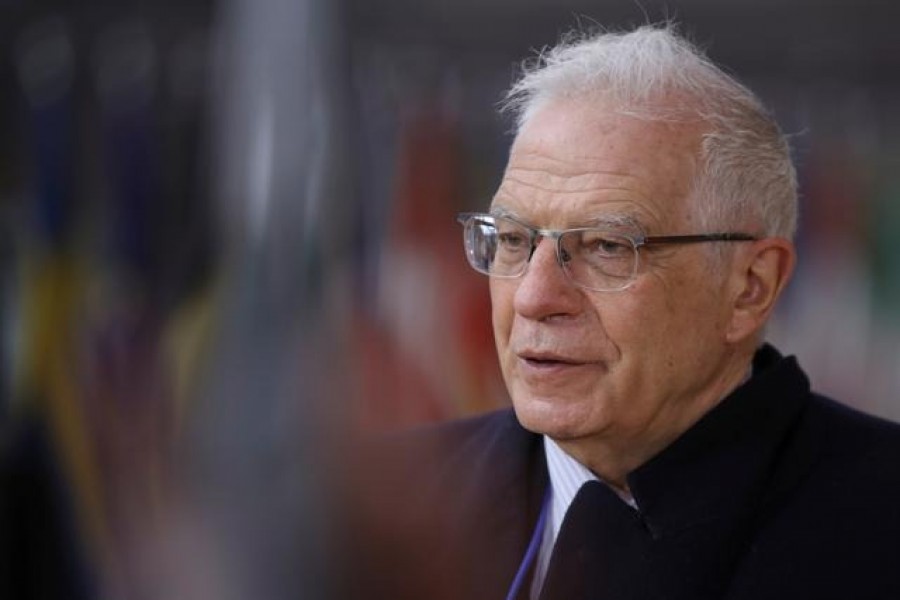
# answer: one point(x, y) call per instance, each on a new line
point(567, 475)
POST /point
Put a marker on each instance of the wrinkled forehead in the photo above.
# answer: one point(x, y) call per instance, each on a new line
point(583, 133)
point(577, 160)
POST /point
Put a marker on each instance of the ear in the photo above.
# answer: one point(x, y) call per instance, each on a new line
point(761, 271)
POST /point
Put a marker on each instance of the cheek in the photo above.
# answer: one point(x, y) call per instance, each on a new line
point(645, 330)
point(633, 317)
point(674, 322)
point(502, 312)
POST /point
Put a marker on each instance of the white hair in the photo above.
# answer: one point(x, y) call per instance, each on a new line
point(745, 176)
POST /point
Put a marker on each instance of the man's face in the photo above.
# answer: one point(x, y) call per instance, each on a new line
point(626, 368)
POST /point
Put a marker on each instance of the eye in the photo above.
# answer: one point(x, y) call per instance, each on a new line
point(604, 245)
point(512, 240)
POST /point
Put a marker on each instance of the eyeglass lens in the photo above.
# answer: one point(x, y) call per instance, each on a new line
point(592, 258)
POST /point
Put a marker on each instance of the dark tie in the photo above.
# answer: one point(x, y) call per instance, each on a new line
point(601, 550)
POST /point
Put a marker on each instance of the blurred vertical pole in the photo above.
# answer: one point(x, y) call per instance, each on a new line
point(263, 425)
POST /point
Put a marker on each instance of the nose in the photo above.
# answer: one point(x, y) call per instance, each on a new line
point(544, 290)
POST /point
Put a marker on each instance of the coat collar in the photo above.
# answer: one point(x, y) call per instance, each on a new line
point(721, 464)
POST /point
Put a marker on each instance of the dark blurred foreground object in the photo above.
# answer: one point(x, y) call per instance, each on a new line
point(40, 552)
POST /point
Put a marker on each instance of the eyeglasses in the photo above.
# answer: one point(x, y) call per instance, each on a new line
point(593, 258)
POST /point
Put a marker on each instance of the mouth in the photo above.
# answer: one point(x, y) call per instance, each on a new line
point(548, 360)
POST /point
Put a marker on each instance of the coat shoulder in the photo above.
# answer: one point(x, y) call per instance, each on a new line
point(857, 448)
point(830, 524)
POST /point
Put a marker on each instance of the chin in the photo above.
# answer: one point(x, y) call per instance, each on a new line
point(551, 418)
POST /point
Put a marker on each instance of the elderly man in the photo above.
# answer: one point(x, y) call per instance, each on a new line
point(636, 247)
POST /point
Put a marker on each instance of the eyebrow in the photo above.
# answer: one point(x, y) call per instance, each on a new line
point(499, 211)
point(617, 221)
point(621, 222)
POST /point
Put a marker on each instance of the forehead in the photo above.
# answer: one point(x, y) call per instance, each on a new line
point(575, 163)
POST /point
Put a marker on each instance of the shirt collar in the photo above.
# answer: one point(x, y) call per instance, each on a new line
point(567, 475)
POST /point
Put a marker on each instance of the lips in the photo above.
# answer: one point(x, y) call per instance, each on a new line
point(546, 371)
point(545, 359)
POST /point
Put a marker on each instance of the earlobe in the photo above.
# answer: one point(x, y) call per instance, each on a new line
point(761, 275)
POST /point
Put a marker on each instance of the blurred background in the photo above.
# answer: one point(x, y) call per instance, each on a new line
point(227, 244)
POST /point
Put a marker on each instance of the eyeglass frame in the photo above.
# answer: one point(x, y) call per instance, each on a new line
point(637, 241)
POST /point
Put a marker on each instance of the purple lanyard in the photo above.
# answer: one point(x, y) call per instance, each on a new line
point(533, 547)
